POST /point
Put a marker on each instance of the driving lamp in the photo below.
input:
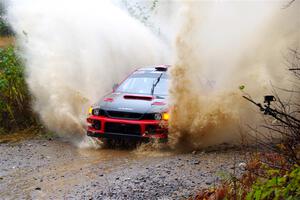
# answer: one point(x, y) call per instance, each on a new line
point(90, 110)
point(165, 116)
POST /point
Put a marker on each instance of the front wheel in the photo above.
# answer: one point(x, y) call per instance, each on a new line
point(119, 143)
point(107, 142)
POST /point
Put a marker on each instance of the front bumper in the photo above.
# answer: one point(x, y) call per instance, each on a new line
point(142, 129)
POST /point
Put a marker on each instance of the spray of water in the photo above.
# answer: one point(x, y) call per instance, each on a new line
point(219, 46)
point(74, 52)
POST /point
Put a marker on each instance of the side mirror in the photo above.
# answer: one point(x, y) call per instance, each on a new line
point(115, 86)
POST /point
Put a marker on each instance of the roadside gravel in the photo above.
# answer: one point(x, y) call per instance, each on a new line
point(43, 169)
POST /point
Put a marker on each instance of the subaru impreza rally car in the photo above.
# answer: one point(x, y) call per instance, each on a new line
point(137, 108)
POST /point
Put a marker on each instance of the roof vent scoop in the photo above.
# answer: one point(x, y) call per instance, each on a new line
point(162, 68)
point(136, 97)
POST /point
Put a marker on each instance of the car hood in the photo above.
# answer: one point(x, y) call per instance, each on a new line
point(136, 103)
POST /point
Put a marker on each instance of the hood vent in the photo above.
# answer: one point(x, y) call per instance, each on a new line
point(145, 98)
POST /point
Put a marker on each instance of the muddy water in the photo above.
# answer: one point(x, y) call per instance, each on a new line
point(43, 169)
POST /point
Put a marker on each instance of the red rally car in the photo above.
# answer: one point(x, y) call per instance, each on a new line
point(135, 109)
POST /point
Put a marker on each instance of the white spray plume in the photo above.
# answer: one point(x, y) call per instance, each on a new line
point(74, 52)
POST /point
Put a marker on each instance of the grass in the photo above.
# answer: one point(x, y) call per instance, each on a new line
point(25, 134)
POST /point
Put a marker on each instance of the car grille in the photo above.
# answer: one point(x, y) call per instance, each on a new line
point(149, 116)
point(129, 129)
point(124, 115)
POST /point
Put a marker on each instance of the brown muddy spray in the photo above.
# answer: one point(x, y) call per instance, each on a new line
point(219, 46)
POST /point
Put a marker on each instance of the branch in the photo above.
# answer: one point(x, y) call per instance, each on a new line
point(288, 4)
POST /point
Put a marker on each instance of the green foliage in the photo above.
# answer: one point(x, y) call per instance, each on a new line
point(277, 186)
point(5, 30)
point(15, 110)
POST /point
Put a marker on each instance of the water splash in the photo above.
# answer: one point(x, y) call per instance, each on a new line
point(219, 46)
point(74, 51)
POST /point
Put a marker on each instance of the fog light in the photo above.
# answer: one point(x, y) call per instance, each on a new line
point(157, 116)
point(97, 124)
point(165, 116)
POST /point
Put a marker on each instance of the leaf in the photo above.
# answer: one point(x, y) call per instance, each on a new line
point(241, 87)
point(266, 194)
point(257, 194)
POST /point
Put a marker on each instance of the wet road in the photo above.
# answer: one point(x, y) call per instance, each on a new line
point(42, 169)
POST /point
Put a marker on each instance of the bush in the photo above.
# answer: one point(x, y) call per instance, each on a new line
point(260, 181)
point(272, 174)
point(277, 186)
point(15, 112)
point(5, 30)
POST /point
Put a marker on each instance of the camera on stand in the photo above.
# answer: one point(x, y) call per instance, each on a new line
point(269, 99)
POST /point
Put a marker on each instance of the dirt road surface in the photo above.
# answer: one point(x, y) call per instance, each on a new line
point(53, 169)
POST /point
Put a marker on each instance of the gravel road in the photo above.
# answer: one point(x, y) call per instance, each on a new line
point(54, 169)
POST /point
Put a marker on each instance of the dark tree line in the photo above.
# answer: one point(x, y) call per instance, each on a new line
point(5, 29)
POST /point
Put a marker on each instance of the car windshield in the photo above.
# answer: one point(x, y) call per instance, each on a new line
point(142, 83)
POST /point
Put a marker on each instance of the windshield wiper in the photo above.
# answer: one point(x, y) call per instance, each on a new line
point(155, 84)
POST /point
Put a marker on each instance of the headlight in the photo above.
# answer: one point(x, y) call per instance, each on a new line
point(165, 116)
point(96, 111)
point(157, 116)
